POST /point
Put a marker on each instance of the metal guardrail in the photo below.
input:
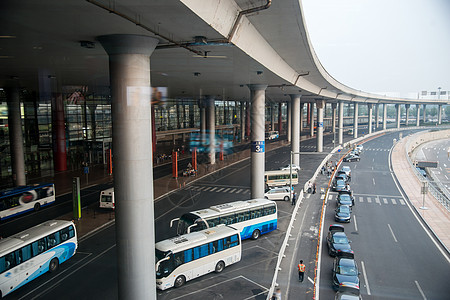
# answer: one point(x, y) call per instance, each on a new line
point(436, 188)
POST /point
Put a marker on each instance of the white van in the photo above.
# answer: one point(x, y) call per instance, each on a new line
point(107, 199)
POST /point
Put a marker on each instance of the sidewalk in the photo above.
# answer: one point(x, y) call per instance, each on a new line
point(436, 216)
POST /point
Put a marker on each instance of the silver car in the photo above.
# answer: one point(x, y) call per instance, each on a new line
point(278, 193)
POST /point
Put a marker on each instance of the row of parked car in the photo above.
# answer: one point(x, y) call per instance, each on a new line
point(354, 155)
point(345, 274)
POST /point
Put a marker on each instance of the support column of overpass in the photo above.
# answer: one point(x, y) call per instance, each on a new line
point(242, 121)
point(295, 145)
point(16, 137)
point(355, 120)
point(280, 118)
point(333, 117)
point(384, 115)
point(407, 106)
point(302, 117)
point(341, 123)
point(311, 114)
point(211, 130)
point(440, 114)
point(257, 96)
point(288, 123)
point(397, 107)
point(424, 113)
point(320, 104)
point(129, 67)
point(247, 119)
point(377, 109)
point(417, 114)
point(370, 109)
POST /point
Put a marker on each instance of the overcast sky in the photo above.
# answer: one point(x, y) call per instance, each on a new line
point(383, 46)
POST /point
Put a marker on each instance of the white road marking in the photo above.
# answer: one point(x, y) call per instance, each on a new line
point(365, 278)
point(385, 201)
point(394, 202)
point(310, 280)
point(361, 199)
point(392, 232)
point(213, 189)
point(373, 180)
point(420, 290)
point(402, 202)
point(356, 224)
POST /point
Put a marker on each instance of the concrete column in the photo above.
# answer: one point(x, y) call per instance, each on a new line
point(311, 118)
point(341, 123)
point(355, 120)
point(258, 99)
point(384, 116)
point(370, 109)
point(417, 114)
point(320, 104)
point(289, 120)
point(302, 117)
point(211, 131)
point(280, 118)
point(129, 67)
point(247, 119)
point(397, 107)
point(16, 137)
point(242, 121)
point(424, 114)
point(333, 117)
point(295, 145)
point(407, 106)
point(440, 114)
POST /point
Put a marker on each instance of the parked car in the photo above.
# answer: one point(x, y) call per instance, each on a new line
point(345, 198)
point(421, 172)
point(351, 157)
point(347, 291)
point(294, 167)
point(359, 148)
point(343, 214)
point(340, 185)
point(343, 176)
point(337, 240)
point(347, 171)
point(278, 193)
point(345, 269)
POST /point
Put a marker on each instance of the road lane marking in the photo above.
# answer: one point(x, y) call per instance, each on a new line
point(361, 199)
point(213, 189)
point(420, 290)
point(385, 201)
point(392, 232)
point(354, 221)
point(365, 278)
point(233, 190)
point(373, 180)
point(240, 190)
point(377, 201)
point(219, 190)
point(402, 202)
point(394, 202)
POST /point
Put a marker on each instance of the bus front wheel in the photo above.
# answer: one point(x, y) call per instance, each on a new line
point(255, 234)
point(180, 281)
point(54, 263)
point(220, 266)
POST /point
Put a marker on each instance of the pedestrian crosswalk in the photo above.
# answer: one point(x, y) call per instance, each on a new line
point(374, 199)
point(215, 189)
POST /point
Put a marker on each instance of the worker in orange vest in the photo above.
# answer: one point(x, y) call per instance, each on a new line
point(301, 271)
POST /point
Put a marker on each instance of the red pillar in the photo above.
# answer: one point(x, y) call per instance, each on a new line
point(59, 134)
point(308, 117)
point(194, 159)
point(175, 164)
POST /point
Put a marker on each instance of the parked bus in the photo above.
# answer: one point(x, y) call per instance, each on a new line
point(251, 217)
point(32, 252)
point(271, 135)
point(280, 178)
point(19, 200)
point(107, 199)
point(192, 255)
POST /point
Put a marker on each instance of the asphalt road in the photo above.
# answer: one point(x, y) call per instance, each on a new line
point(395, 254)
point(439, 151)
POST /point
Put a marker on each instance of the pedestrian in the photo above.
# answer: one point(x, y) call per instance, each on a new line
point(329, 172)
point(276, 295)
point(314, 188)
point(301, 271)
point(309, 187)
point(294, 198)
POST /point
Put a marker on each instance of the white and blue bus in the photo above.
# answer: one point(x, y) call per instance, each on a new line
point(280, 178)
point(32, 252)
point(251, 217)
point(195, 254)
point(19, 200)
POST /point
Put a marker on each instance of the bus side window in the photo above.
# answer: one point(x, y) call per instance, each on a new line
point(204, 250)
point(26, 253)
point(187, 255)
point(240, 216)
point(234, 240)
point(9, 261)
point(178, 259)
point(213, 247)
point(213, 222)
point(220, 245)
point(39, 246)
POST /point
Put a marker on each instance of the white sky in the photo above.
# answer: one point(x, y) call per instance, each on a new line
point(383, 46)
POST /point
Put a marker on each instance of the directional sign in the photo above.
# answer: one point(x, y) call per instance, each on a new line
point(258, 146)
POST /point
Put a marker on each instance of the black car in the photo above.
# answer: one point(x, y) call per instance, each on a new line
point(345, 198)
point(343, 214)
point(351, 157)
point(345, 270)
point(337, 241)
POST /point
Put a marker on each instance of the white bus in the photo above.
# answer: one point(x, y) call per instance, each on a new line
point(107, 199)
point(21, 199)
point(271, 135)
point(280, 177)
point(32, 252)
point(192, 255)
point(251, 217)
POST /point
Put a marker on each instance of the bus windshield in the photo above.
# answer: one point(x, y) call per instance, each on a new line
point(186, 222)
point(165, 266)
